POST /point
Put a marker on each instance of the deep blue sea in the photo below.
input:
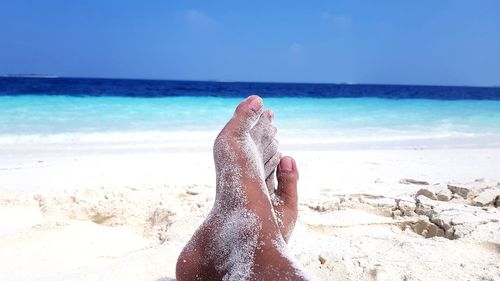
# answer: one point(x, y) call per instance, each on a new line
point(66, 110)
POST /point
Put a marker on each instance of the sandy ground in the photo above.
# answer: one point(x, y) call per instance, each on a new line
point(125, 214)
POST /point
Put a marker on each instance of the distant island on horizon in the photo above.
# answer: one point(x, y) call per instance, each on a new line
point(30, 75)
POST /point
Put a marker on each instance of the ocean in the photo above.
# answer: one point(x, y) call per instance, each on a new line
point(189, 113)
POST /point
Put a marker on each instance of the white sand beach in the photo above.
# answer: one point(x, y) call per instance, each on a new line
point(109, 111)
point(70, 212)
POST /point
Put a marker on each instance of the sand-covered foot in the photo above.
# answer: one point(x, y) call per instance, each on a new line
point(263, 135)
point(240, 239)
point(284, 198)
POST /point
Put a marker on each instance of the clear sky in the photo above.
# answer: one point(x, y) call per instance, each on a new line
point(443, 42)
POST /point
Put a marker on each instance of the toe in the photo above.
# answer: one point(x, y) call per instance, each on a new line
point(271, 165)
point(288, 175)
point(263, 132)
point(245, 115)
point(270, 183)
point(270, 151)
point(265, 119)
point(285, 196)
point(269, 170)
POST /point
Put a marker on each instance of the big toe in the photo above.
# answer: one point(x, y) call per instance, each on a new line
point(286, 193)
point(245, 115)
point(288, 176)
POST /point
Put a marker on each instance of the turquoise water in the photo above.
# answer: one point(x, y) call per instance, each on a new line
point(299, 120)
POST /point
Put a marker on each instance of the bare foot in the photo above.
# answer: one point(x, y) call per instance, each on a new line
point(263, 134)
point(284, 199)
point(241, 238)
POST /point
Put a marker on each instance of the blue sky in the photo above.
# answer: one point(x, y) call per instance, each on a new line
point(439, 42)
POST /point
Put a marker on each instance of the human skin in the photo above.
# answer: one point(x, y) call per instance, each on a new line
point(244, 236)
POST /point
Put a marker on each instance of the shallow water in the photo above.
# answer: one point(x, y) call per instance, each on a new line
point(45, 117)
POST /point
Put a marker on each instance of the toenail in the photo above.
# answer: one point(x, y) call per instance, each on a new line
point(286, 164)
point(255, 103)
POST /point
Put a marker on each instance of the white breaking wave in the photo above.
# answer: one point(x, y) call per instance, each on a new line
point(204, 139)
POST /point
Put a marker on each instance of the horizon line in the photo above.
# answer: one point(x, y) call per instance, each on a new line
point(54, 76)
